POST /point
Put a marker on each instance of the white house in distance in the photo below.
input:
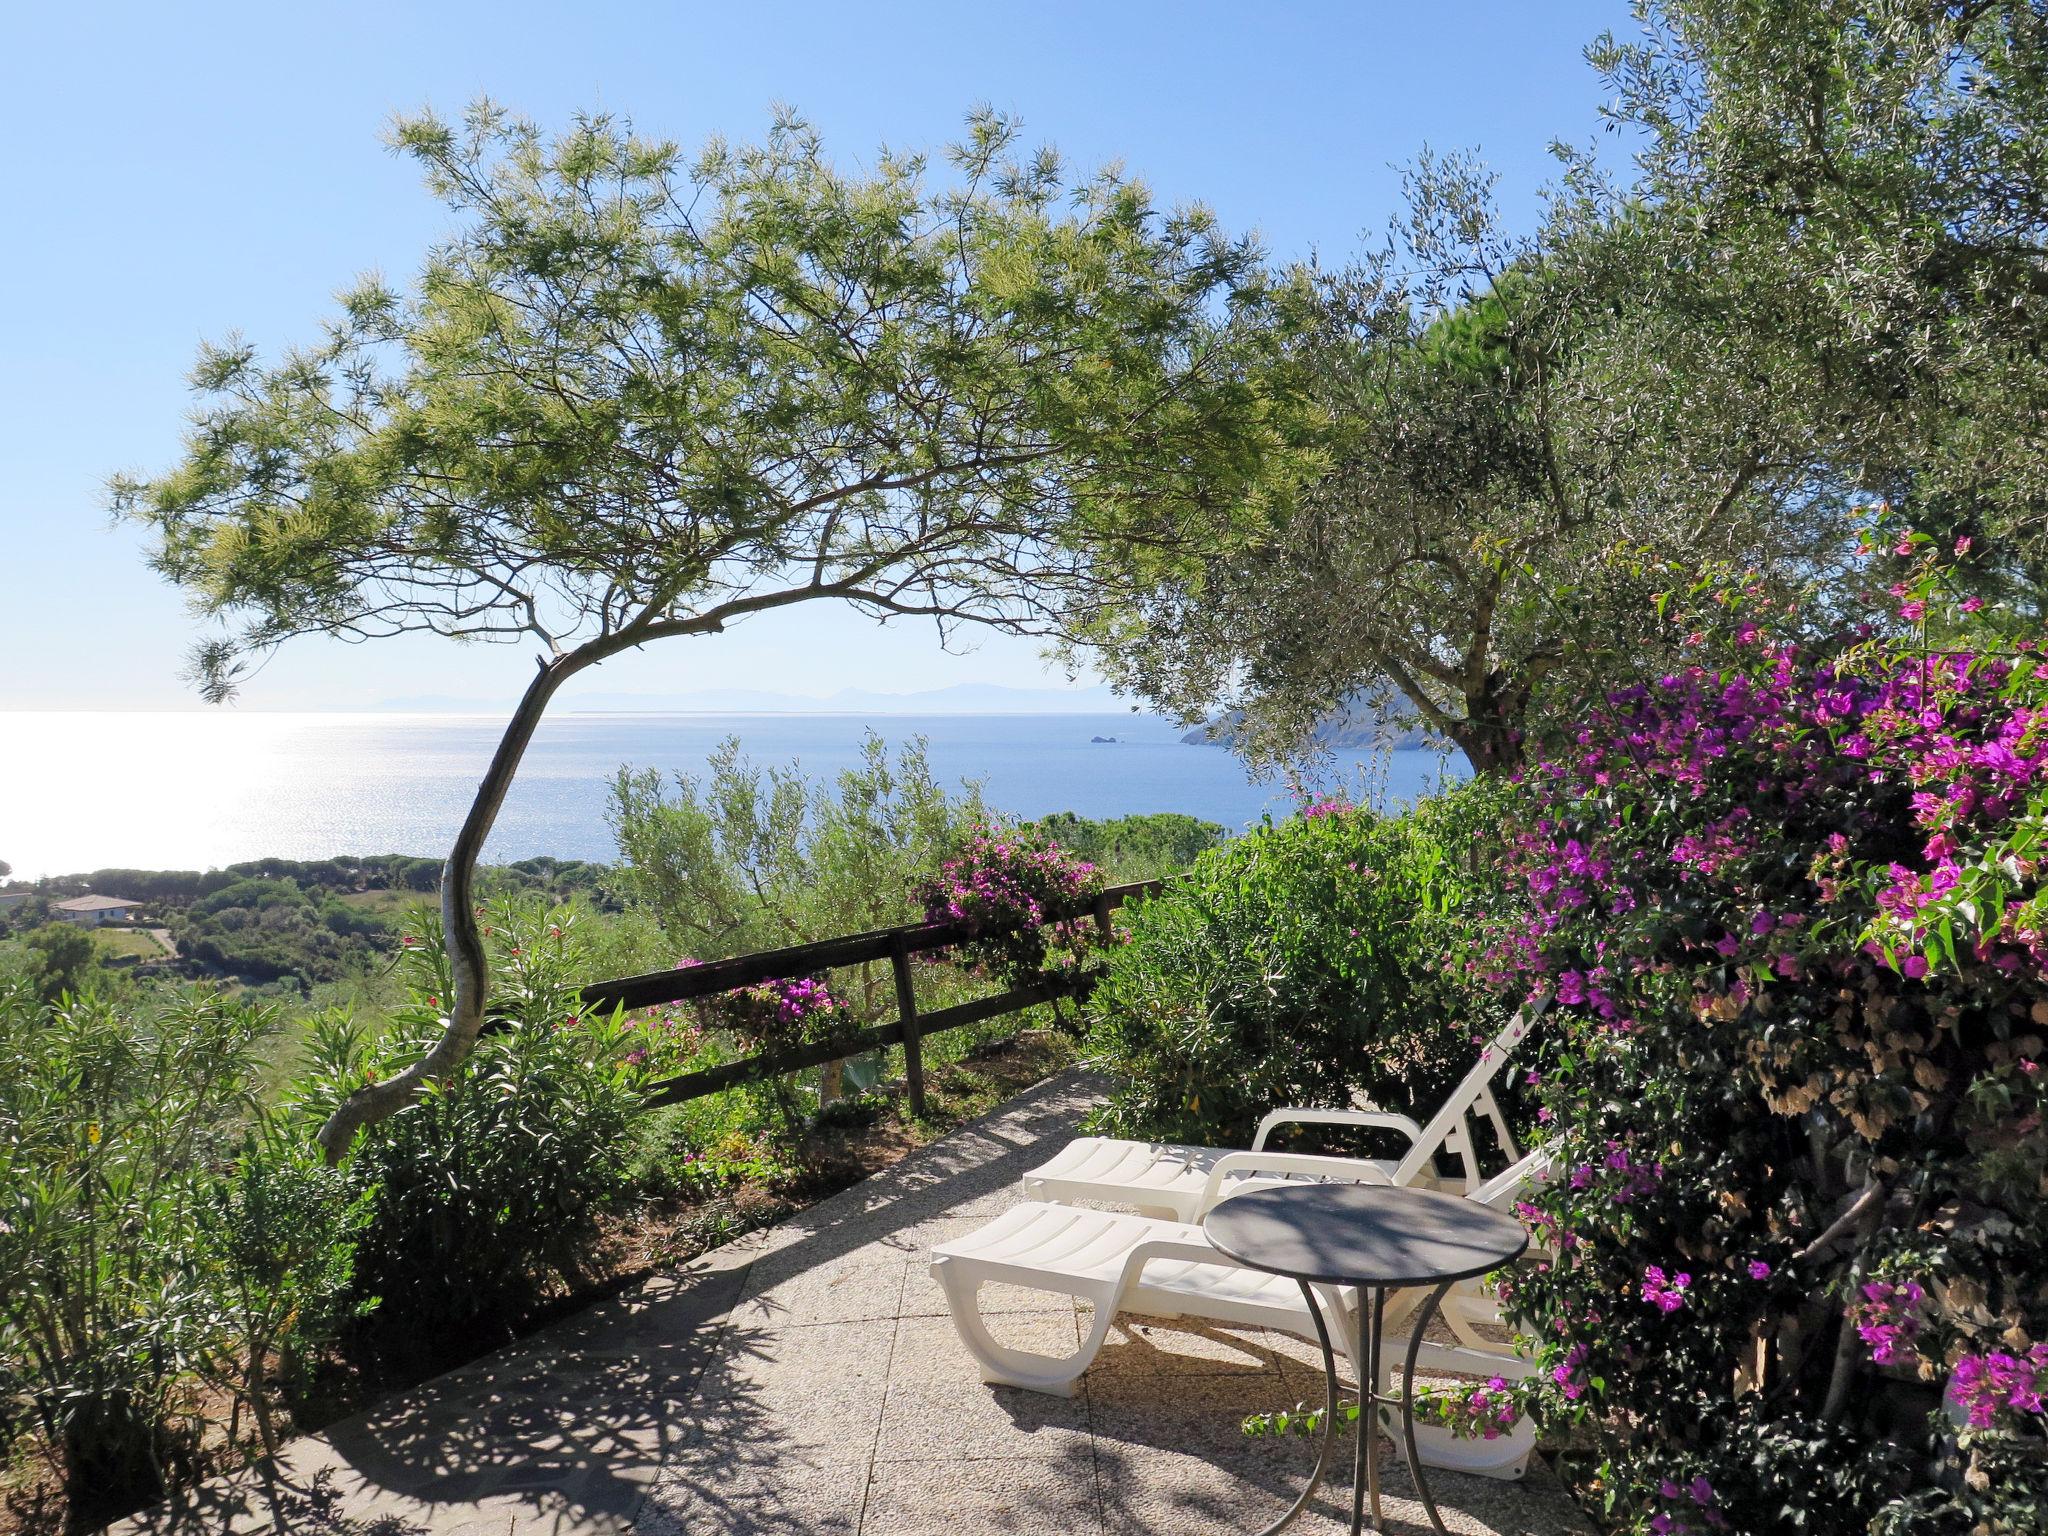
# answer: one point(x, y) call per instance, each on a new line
point(92, 911)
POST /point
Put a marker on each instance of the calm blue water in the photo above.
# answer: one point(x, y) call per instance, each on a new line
point(193, 790)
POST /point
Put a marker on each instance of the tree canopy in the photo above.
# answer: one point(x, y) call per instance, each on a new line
point(1519, 441)
point(1875, 169)
point(636, 396)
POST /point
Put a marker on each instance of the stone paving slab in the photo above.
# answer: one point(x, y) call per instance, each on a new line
point(806, 1379)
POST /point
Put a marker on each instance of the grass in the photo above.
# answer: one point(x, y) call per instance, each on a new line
point(391, 905)
point(126, 944)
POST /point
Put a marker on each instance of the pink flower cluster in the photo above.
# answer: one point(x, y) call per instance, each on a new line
point(1792, 738)
point(1630, 1179)
point(999, 880)
point(1984, 1386)
point(1570, 1372)
point(1887, 1319)
point(1665, 1292)
point(784, 1010)
point(1021, 903)
point(1691, 1501)
point(1479, 1413)
point(1324, 805)
point(794, 999)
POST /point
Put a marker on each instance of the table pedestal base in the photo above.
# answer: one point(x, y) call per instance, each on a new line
point(1365, 1457)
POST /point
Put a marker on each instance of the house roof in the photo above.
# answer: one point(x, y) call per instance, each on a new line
point(94, 904)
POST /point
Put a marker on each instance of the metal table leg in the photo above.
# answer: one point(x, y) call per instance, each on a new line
point(1365, 1463)
point(1422, 1316)
point(1315, 1477)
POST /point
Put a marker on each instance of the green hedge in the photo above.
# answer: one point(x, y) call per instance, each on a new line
point(1295, 965)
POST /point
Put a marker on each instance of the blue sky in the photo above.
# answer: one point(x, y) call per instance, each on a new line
point(178, 172)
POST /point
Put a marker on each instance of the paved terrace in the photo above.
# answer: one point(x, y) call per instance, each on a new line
point(806, 1379)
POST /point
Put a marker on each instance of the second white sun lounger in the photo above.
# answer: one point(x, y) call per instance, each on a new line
point(1175, 1182)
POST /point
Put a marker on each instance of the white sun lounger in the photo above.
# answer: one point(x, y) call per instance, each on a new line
point(1177, 1183)
point(1124, 1263)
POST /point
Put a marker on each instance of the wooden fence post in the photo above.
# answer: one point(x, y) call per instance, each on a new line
point(906, 1011)
point(1103, 925)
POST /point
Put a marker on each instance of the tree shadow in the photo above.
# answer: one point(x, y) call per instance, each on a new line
point(574, 1425)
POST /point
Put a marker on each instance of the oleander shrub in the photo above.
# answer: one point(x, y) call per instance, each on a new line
point(1789, 901)
point(486, 1190)
point(278, 1228)
point(114, 1117)
point(1304, 961)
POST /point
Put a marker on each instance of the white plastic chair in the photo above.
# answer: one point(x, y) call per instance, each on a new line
point(1141, 1264)
point(1174, 1182)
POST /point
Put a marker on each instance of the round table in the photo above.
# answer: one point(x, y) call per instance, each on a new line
point(1379, 1239)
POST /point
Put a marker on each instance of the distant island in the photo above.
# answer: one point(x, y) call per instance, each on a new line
point(1352, 728)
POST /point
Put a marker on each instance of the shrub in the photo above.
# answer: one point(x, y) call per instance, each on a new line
point(280, 1228)
point(110, 1118)
point(1790, 901)
point(1296, 964)
point(63, 957)
point(1137, 847)
point(486, 1189)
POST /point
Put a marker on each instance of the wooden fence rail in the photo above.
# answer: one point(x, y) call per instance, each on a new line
point(907, 1029)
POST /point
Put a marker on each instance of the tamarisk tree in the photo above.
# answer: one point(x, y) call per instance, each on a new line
point(637, 396)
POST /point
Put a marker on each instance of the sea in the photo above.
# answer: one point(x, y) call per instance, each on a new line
point(196, 790)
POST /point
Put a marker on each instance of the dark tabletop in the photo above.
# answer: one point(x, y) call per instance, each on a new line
point(1363, 1234)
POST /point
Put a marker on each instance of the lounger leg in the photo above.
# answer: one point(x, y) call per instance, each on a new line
point(1007, 1367)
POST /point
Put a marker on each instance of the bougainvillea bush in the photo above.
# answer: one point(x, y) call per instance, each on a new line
point(1297, 964)
point(1789, 899)
point(783, 1013)
point(1024, 900)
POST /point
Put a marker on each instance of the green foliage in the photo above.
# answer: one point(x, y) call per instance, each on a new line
point(1517, 439)
point(110, 1120)
point(1128, 848)
point(487, 1188)
point(1296, 965)
point(1866, 175)
point(281, 1225)
point(749, 859)
point(634, 395)
point(266, 929)
point(63, 958)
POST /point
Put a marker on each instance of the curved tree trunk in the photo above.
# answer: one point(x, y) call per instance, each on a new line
point(460, 933)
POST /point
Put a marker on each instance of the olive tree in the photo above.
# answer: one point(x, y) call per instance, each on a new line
point(1522, 438)
point(636, 397)
point(1881, 167)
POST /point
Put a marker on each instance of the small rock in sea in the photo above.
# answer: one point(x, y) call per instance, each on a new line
point(1102, 738)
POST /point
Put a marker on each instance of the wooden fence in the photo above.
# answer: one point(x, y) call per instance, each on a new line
point(907, 1029)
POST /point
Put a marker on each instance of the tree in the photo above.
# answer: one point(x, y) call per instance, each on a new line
point(633, 399)
point(1522, 440)
point(1878, 167)
point(63, 954)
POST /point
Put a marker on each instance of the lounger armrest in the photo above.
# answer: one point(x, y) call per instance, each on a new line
point(1372, 1119)
point(1191, 1250)
point(1357, 1170)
